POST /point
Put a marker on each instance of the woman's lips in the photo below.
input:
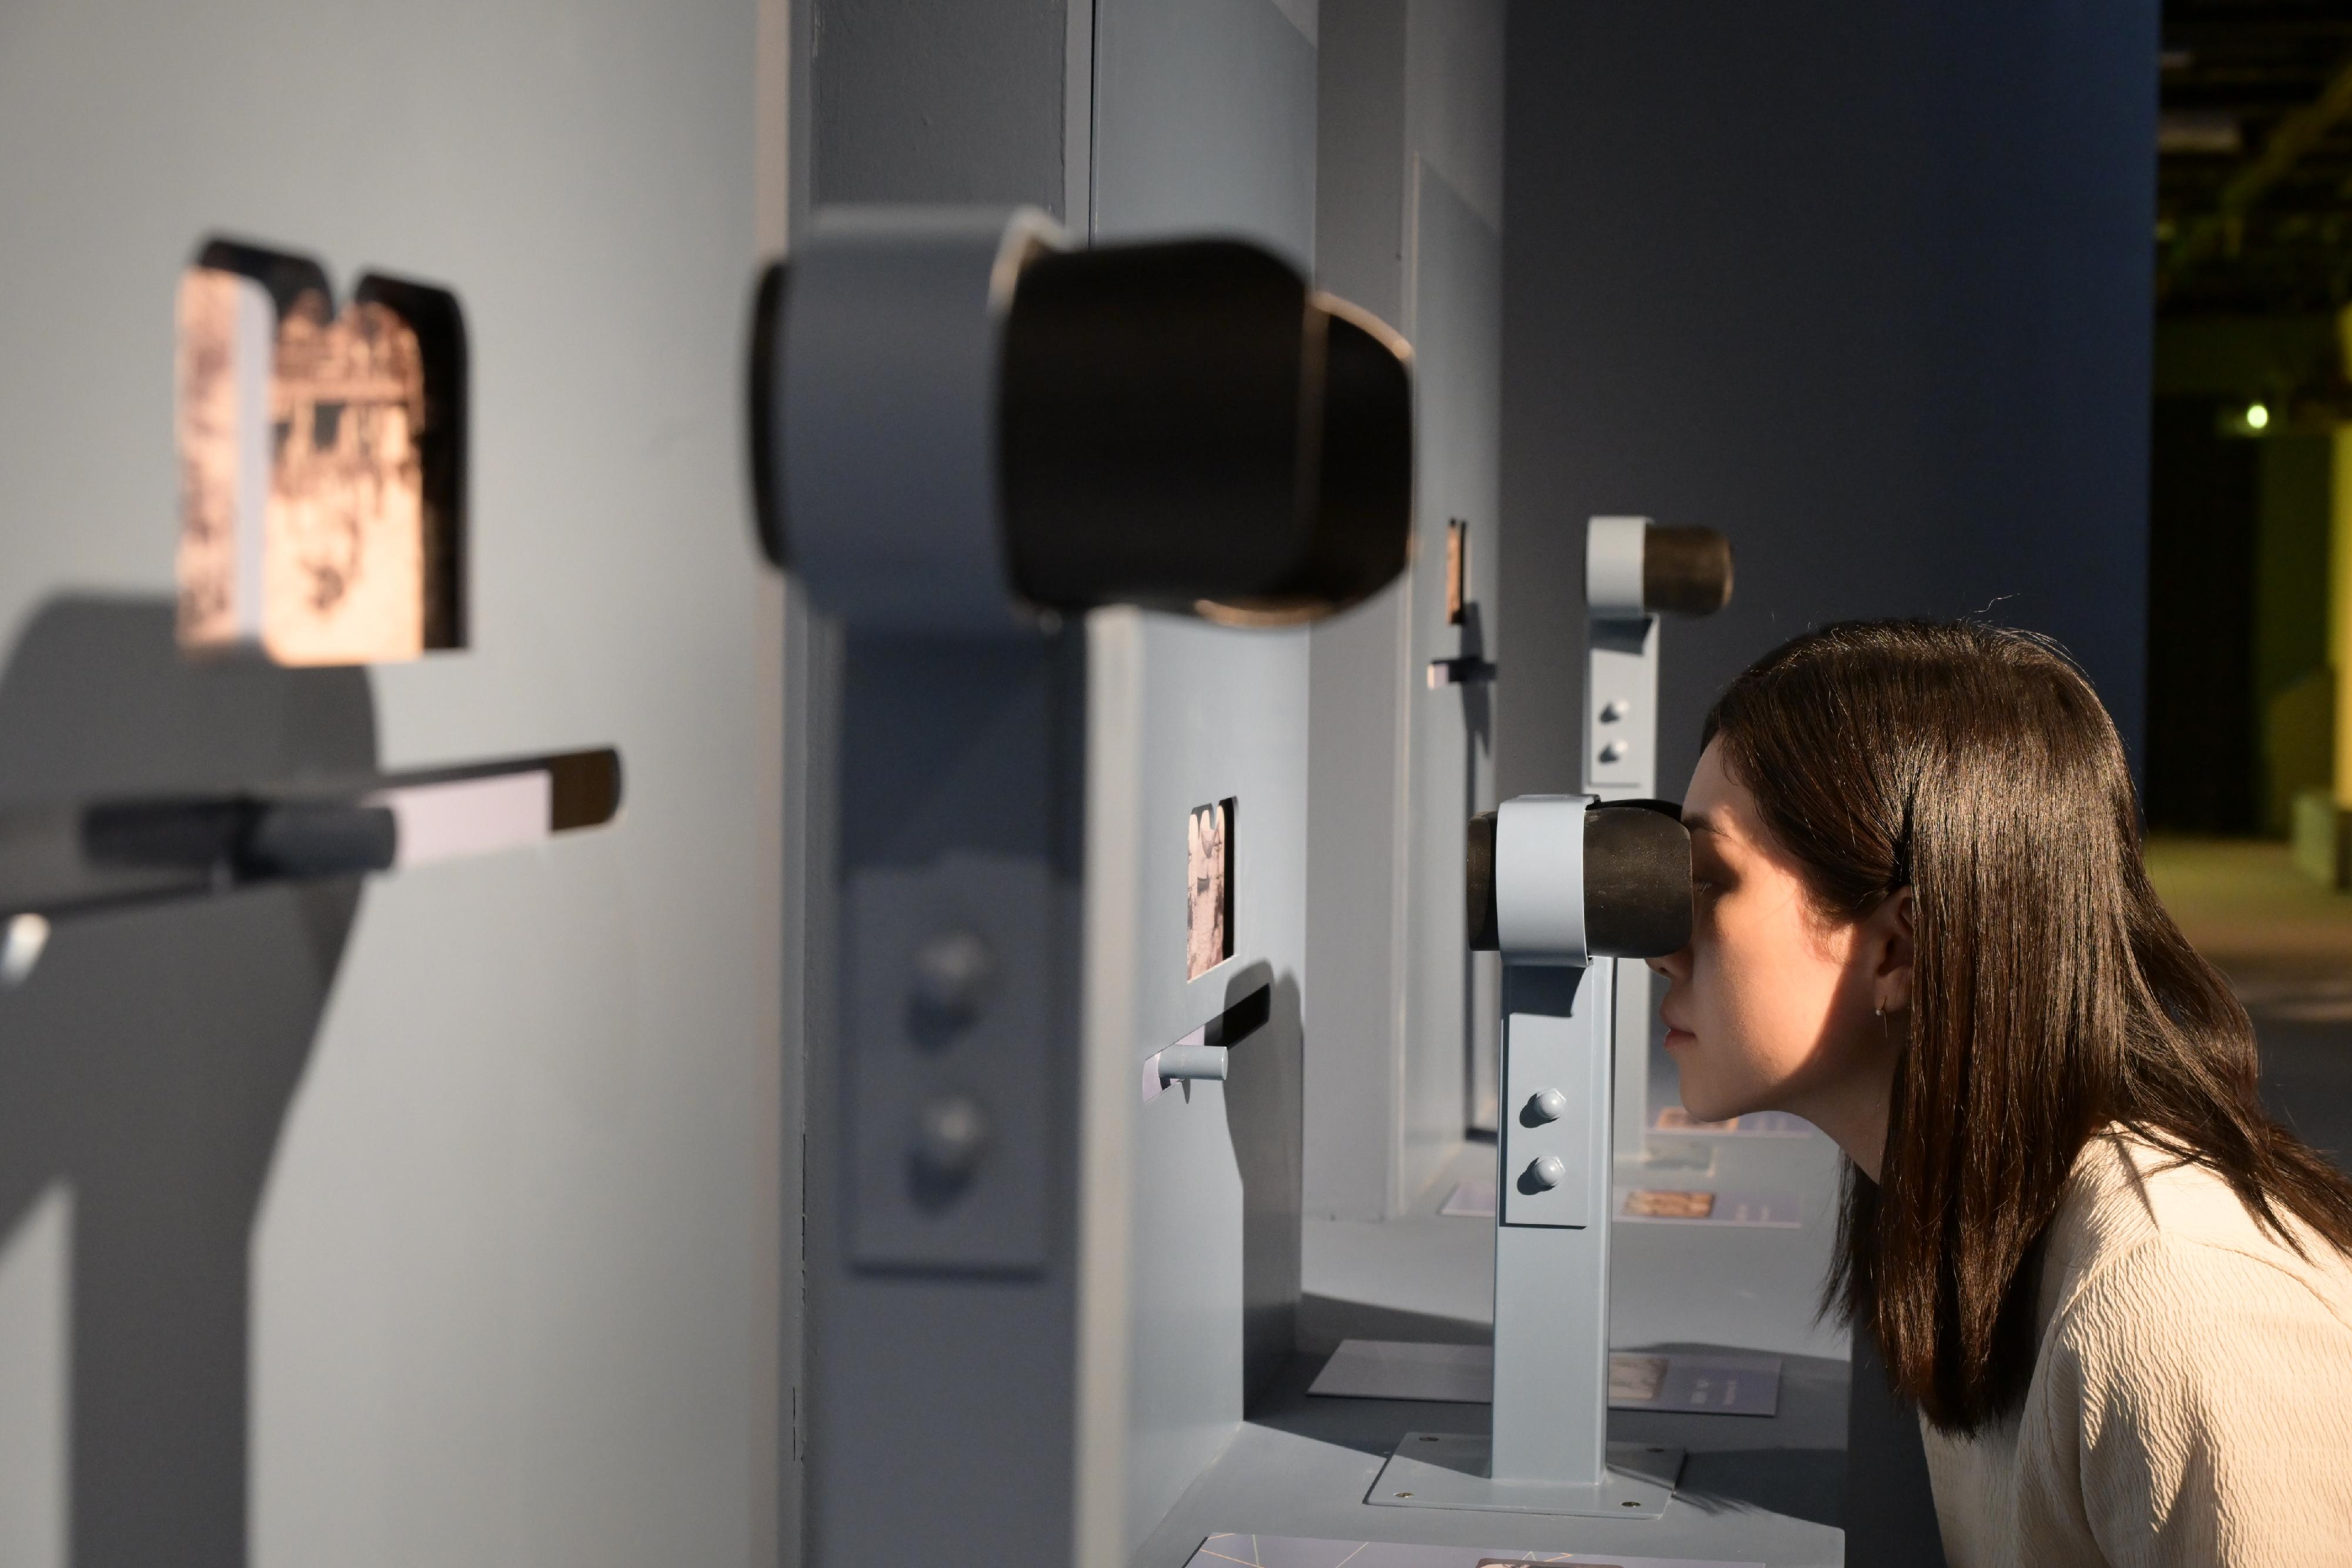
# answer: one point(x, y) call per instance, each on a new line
point(1676, 1037)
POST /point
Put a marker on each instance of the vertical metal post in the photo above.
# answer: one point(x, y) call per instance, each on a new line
point(1620, 763)
point(1575, 1091)
point(1551, 1242)
point(1547, 1449)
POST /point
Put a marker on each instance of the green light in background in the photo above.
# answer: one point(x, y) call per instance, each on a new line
point(2257, 416)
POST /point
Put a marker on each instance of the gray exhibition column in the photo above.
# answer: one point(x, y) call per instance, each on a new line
point(945, 774)
point(961, 792)
point(946, 1062)
point(1082, 1376)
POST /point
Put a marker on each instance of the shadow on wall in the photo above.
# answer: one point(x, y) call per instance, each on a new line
point(1264, 1116)
point(147, 1062)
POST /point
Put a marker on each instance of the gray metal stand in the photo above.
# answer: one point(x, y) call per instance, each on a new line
point(1549, 1451)
point(1620, 763)
point(1575, 1077)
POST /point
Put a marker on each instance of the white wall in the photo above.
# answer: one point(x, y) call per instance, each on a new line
point(445, 1227)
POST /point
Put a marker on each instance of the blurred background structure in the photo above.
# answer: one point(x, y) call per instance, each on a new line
point(2249, 559)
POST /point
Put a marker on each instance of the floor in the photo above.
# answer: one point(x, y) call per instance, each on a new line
point(2285, 943)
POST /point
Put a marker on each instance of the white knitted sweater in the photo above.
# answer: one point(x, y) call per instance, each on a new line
point(2191, 1399)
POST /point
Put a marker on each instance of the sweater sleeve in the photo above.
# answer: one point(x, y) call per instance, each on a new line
point(2211, 1420)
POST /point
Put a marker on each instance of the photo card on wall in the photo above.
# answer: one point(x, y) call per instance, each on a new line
point(1457, 571)
point(321, 462)
point(1209, 883)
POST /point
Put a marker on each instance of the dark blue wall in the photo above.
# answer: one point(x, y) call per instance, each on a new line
point(1867, 287)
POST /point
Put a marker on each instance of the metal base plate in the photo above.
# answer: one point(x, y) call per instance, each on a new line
point(1448, 1470)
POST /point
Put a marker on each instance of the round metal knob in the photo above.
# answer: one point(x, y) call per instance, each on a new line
point(1613, 752)
point(1545, 1106)
point(951, 1137)
point(1546, 1172)
point(952, 974)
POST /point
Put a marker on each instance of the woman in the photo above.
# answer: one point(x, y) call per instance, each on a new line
point(2118, 1292)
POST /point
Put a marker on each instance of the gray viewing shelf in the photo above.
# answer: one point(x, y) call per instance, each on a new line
point(1752, 1488)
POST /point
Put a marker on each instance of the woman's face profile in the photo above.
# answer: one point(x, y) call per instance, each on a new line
point(1771, 1005)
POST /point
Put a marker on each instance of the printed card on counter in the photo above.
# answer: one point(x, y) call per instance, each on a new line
point(1714, 1383)
point(1694, 1206)
point(1469, 1200)
point(1686, 1383)
point(1303, 1552)
point(1680, 1122)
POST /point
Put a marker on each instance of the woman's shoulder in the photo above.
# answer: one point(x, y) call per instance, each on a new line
point(2197, 1371)
point(2145, 1221)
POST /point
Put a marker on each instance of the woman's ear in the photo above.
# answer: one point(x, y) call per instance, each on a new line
point(1891, 942)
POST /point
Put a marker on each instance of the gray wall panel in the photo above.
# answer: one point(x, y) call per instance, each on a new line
point(1450, 999)
point(1411, 161)
point(940, 103)
point(1355, 869)
point(451, 1250)
point(1223, 715)
point(1359, 156)
point(1204, 120)
point(1453, 107)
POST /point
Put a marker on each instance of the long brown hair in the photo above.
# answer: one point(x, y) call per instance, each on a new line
point(2051, 994)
